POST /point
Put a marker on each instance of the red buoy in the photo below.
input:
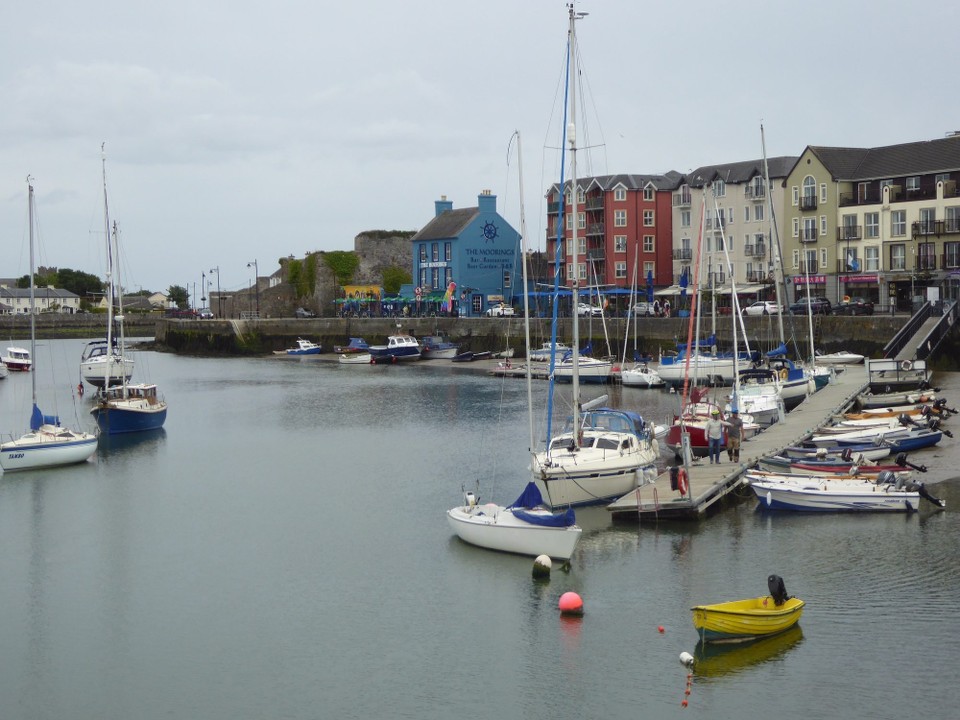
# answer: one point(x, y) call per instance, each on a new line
point(571, 604)
point(660, 629)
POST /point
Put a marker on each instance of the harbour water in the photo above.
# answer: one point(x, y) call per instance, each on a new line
point(281, 550)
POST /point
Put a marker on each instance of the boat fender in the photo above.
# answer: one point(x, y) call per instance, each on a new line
point(906, 365)
point(80, 389)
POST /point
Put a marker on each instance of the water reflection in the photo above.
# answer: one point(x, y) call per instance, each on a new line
point(141, 443)
point(712, 660)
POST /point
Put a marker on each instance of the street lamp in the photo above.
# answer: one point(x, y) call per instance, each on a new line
point(219, 298)
point(256, 272)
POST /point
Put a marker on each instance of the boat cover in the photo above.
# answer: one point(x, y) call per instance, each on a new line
point(531, 498)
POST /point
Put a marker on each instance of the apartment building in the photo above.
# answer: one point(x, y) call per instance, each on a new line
point(882, 223)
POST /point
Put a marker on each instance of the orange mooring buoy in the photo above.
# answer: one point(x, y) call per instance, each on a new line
point(571, 604)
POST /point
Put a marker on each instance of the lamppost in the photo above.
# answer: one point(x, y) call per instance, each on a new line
point(256, 272)
point(219, 298)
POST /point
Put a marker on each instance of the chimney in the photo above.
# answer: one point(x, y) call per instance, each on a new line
point(442, 205)
point(487, 202)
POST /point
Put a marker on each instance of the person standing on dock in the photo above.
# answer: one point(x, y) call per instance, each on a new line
point(734, 424)
point(713, 429)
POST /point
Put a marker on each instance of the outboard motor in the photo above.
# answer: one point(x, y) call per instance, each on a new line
point(674, 475)
point(846, 455)
point(778, 591)
point(885, 477)
point(901, 460)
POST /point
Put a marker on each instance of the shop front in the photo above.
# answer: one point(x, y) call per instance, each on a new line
point(817, 286)
point(866, 286)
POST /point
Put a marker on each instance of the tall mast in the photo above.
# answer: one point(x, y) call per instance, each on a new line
point(33, 314)
point(108, 360)
point(774, 241)
point(526, 297)
point(572, 140)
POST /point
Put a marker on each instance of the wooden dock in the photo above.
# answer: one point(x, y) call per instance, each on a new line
point(709, 484)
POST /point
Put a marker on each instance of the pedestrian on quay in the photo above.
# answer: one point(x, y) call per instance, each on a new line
point(713, 429)
point(734, 425)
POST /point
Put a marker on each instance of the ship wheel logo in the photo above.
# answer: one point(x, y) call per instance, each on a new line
point(490, 231)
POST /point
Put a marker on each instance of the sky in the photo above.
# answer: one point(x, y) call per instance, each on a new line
point(237, 132)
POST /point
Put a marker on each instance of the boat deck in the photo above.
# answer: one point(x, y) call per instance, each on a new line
point(710, 484)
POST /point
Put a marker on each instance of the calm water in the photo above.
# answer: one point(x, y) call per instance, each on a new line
point(281, 551)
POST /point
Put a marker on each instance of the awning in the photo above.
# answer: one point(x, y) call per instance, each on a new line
point(672, 290)
point(744, 289)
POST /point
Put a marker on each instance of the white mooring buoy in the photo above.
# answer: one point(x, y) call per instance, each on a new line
point(542, 566)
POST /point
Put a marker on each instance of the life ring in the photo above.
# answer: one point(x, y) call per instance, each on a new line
point(682, 481)
point(784, 373)
point(906, 366)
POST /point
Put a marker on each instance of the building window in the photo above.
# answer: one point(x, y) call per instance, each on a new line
point(941, 177)
point(648, 218)
point(853, 260)
point(898, 257)
point(823, 193)
point(719, 188)
point(823, 257)
point(583, 271)
point(927, 256)
point(871, 225)
point(871, 258)
point(424, 277)
point(796, 227)
point(619, 243)
point(506, 279)
point(746, 213)
point(569, 221)
point(823, 224)
point(435, 251)
point(620, 269)
point(809, 230)
point(796, 196)
point(730, 215)
point(569, 271)
point(951, 255)
point(423, 253)
point(447, 251)
point(758, 212)
point(898, 223)
point(619, 218)
point(913, 183)
point(928, 221)
point(684, 218)
point(809, 187)
point(648, 193)
point(648, 243)
point(648, 268)
point(448, 277)
point(796, 259)
point(620, 194)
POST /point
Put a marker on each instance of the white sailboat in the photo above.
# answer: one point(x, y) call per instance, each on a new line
point(525, 527)
point(587, 464)
point(47, 443)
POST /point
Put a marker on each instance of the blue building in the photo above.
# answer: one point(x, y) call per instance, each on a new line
point(473, 248)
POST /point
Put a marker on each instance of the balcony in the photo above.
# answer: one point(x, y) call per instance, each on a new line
point(758, 251)
point(808, 235)
point(757, 276)
point(597, 254)
point(681, 200)
point(951, 225)
point(595, 230)
point(926, 263)
point(926, 227)
point(553, 208)
point(950, 260)
point(755, 192)
point(850, 232)
point(594, 204)
point(682, 254)
point(808, 202)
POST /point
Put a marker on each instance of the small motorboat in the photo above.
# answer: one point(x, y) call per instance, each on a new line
point(438, 347)
point(838, 358)
point(304, 347)
point(810, 493)
point(743, 620)
point(398, 347)
point(641, 375)
point(356, 345)
point(355, 359)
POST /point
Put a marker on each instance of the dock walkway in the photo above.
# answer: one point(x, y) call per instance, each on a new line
point(709, 484)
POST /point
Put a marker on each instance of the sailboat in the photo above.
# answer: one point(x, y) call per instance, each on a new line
point(525, 527)
point(124, 407)
point(612, 453)
point(47, 444)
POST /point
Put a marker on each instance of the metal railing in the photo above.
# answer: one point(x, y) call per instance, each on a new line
point(808, 202)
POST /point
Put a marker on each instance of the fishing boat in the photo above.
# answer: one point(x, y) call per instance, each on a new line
point(525, 527)
point(438, 347)
point(739, 621)
point(17, 359)
point(122, 407)
point(398, 347)
point(47, 443)
point(597, 463)
point(304, 347)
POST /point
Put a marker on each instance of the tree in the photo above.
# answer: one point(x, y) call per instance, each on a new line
point(393, 278)
point(343, 264)
point(180, 296)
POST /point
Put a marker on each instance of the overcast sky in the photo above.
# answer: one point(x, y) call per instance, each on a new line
point(240, 131)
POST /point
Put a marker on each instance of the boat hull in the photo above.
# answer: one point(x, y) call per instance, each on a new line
point(809, 495)
point(101, 373)
point(744, 620)
point(42, 449)
point(497, 528)
point(117, 419)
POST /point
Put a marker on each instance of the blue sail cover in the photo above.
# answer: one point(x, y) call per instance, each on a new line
point(776, 352)
point(531, 498)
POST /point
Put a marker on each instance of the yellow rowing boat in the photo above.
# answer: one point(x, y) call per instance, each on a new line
point(741, 620)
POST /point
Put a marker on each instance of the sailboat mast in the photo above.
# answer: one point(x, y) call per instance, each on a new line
point(33, 300)
point(108, 360)
point(774, 242)
point(572, 140)
point(526, 296)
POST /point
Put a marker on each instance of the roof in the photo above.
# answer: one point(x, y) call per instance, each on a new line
point(449, 224)
point(915, 158)
point(740, 172)
point(668, 181)
point(40, 293)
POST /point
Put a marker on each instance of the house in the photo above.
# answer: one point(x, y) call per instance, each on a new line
point(882, 223)
point(47, 299)
point(474, 249)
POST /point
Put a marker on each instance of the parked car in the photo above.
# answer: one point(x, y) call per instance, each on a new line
point(818, 306)
point(854, 306)
point(762, 307)
point(302, 312)
point(500, 310)
point(643, 308)
point(585, 309)
point(205, 314)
